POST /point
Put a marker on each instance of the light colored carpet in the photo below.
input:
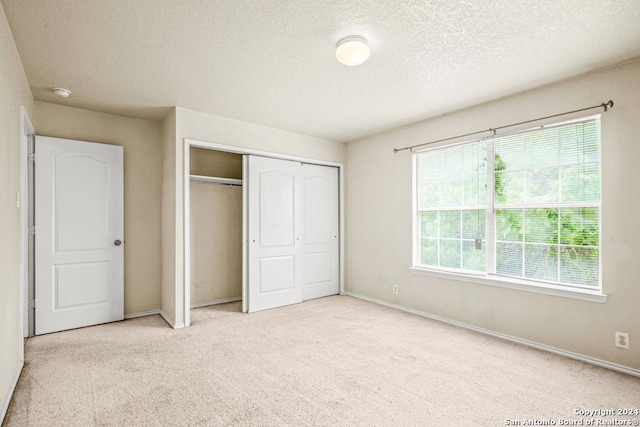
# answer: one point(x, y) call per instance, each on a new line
point(327, 362)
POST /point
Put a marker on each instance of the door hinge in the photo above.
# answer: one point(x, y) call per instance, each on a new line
point(32, 230)
point(32, 304)
point(32, 157)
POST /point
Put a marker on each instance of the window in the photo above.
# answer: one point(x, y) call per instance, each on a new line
point(524, 205)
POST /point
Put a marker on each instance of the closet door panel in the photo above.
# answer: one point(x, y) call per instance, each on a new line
point(321, 227)
point(276, 209)
point(277, 274)
point(275, 268)
point(318, 206)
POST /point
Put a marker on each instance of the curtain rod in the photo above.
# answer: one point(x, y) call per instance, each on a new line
point(604, 105)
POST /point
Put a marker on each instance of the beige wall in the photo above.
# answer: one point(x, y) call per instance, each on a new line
point(207, 127)
point(14, 92)
point(169, 215)
point(215, 163)
point(221, 130)
point(142, 142)
point(379, 224)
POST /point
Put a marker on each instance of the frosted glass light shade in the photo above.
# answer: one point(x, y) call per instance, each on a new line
point(352, 51)
point(61, 92)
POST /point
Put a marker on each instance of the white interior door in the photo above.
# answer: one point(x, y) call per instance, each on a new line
point(275, 271)
point(320, 231)
point(79, 234)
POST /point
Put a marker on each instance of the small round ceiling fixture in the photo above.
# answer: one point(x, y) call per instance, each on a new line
point(352, 50)
point(61, 92)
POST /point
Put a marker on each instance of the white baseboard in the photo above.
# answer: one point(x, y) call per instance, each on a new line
point(141, 314)
point(7, 399)
point(170, 322)
point(543, 347)
point(216, 302)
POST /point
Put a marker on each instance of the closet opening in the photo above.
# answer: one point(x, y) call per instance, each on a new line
point(215, 241)
point(239, 211)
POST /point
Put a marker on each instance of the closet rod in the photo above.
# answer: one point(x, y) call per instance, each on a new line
point(604, 105)
point(215, 180)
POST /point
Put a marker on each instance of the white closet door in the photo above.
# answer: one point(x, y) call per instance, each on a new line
point(320, 230)
point(275, 267)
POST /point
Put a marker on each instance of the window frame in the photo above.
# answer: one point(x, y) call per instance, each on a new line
point(488, 276)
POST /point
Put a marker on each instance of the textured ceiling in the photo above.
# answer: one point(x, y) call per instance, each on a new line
point(272, 62)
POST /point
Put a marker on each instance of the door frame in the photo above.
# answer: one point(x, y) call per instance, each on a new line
point(27, 131)
point(188, 143)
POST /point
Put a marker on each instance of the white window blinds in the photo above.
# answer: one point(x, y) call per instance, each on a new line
point(452, 203)
point(524, 205)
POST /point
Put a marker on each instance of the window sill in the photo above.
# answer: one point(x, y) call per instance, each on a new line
point(520, 285)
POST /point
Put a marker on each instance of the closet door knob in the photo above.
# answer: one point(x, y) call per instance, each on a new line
point(117, 242)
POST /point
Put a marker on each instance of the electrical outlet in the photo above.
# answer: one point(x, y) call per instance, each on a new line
point(622, 340)
point(394, 289)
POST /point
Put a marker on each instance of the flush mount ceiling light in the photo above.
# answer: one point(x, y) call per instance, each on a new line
point(352, 50)
point(61, 92)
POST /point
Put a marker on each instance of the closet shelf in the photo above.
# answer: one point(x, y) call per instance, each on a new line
point(215, 180)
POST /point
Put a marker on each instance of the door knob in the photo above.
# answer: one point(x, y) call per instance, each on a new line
point(117, 242)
